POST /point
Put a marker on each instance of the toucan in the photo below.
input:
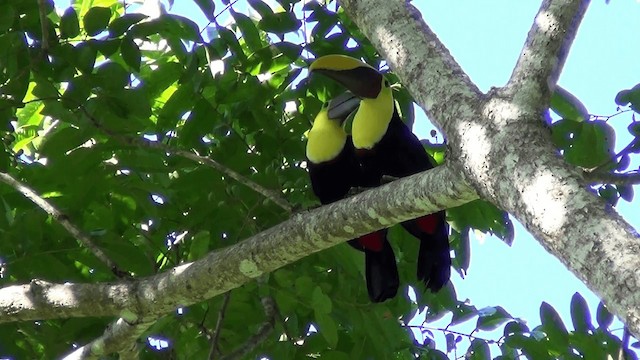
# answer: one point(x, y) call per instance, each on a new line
point(384, 145)
point(334, 170)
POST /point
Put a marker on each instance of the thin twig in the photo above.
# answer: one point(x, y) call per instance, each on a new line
point(43, 27)
point(630, 178)
point(607, 117)
point(216, 331)
point(63, 220)
point(608, 162)
point(626, 335)
point(261, 335)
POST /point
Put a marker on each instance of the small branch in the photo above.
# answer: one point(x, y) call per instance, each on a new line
point(612, 178)
point(607, 117)
point(261, 335)
point(624, 345)
point(615, 157)
point(63, 220)
point(43, 27)
point(216, 332)
point(267, 193)
point(119, 337)
point(536, 73)
point(470, 336)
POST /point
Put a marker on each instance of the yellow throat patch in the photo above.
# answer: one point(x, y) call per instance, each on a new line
point(372, 119)
point(326, 139)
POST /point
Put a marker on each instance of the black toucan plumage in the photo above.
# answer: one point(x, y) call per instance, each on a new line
point(334, 169)
point(384, 145)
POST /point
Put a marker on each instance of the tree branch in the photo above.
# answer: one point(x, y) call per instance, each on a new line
point(63, 220)
point(426, 68)
point(216, 331)
point(612, 178)
point(261, 335)
point(545, 51)
point(43, 27)
point(119, 337)
point(304, 233)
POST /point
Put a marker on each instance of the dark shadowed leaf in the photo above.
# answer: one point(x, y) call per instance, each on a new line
point(96, 20)
point(603, 316)
point(580, 315)
point(69, 24)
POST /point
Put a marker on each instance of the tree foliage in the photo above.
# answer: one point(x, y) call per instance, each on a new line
point(106, 112)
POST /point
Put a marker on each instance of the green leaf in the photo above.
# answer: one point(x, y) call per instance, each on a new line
point(121, 24)
point(553, 327)
point(478, 350)
point(568, 106)
point(462, 313)
point(199, 246)
point(483, 216)
point(634, 129)
point(7, 17)
point(260, 7)
point(320, 302)
point(327, 328)
point(609, 193)
point(603, 316)
point(112, 76)
point(580, 315)
point(96, 20)
point(248, 30)
point(279, 23)
point(563, 133)
point(131, 53)
point(462, 248)
point(208, 8)
point(515, 327)
point(592, 146)
point(490, 318)
point(274, 58)
point(631, 97)
point(626, 192)
point(69, 24)
point(530, 347)
point(85, 57)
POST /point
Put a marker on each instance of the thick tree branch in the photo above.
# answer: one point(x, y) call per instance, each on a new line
point(304, 233)
point(506, 153)
point(545, 51)
point(63, 220)
point(426, 68)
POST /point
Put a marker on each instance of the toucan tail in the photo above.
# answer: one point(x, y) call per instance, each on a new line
point(434, 260)
point(381, 270)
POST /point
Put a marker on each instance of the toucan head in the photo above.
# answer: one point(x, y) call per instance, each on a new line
point(358, 77)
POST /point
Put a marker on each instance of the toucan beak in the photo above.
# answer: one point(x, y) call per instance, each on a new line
point(358, 77)
point(341, 106)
